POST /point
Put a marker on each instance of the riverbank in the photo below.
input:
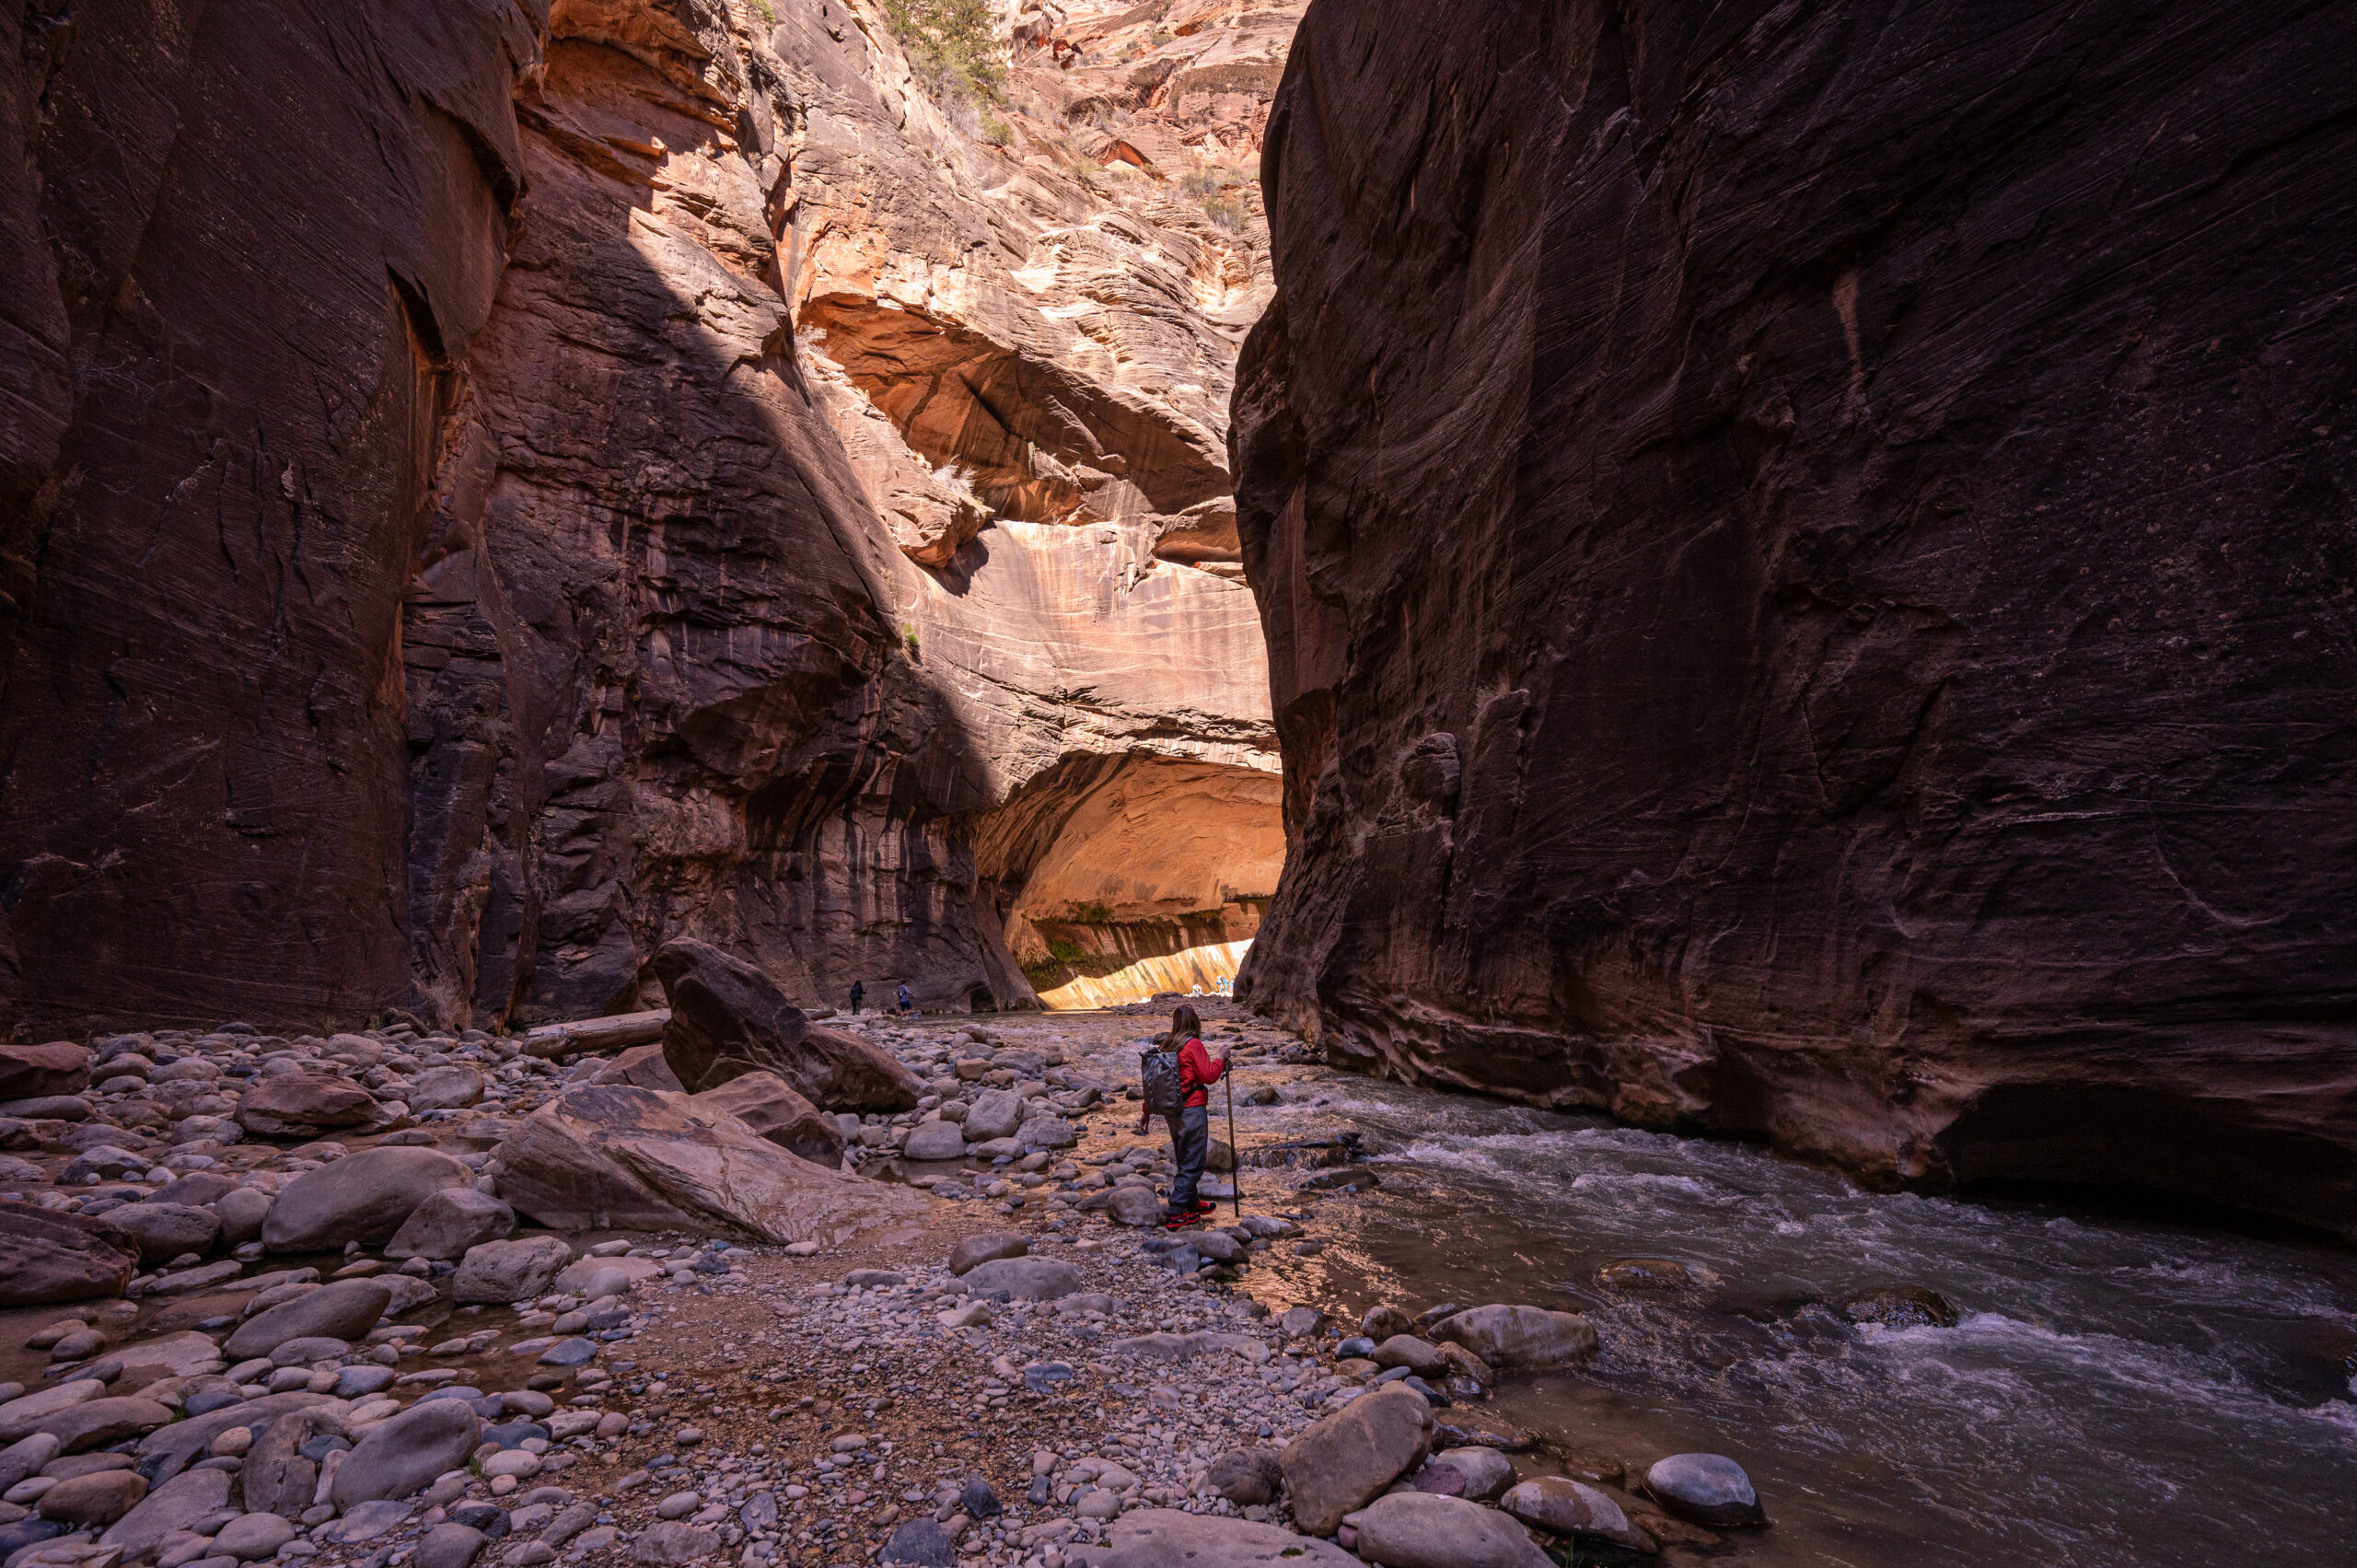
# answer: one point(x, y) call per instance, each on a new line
point(2091, 1390)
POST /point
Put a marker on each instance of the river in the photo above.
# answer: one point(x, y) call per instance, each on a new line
point(2119, 1389)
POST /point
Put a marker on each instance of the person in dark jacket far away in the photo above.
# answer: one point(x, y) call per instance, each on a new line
point(1180, 1090)
point(908, 1003)
point(858, 995)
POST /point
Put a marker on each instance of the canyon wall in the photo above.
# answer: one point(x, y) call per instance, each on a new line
point(1808, 563)
point(435, 575)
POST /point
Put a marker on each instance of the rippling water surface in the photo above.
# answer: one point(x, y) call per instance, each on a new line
point(2120, 1390)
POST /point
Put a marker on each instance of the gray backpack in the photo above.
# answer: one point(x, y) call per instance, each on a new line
point(1158, 1066)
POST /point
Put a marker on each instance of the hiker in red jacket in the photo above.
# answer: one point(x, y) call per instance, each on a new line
point(1180, 1090)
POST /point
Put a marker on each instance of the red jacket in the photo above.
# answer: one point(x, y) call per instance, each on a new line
point(1196, 1067)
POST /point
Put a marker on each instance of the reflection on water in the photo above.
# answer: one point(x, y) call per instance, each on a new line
point(2118, 1390)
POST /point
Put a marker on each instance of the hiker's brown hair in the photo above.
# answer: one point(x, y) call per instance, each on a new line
point(1184, 1025)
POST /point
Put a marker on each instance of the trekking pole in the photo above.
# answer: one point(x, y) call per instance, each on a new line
point(1234, 1154)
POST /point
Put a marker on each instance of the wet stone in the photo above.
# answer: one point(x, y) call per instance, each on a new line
point(1709, 1489)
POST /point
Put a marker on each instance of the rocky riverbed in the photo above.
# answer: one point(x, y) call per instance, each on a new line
point(367, 1300)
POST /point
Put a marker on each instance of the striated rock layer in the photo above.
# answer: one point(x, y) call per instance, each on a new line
point(433, 576)
point(1808, 569)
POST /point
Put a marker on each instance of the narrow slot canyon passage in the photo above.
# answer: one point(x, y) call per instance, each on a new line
point(1178, 784)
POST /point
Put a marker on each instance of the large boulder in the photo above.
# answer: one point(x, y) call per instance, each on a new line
point(164, 1231)
point(770, 1106)
point(406, 1452)
point(642, 1067)
point(46, 1257)
point(1339, 1462)
point(608, 1157)
point(1420, 1529)
point(1165, 1538)
point(305, 1104)
point(33, 1072)
point(364, 1197)
point(509, 1271)
point(1520, 1336)
point(346, 1309)
point(448, 1223)
point(729, 1018)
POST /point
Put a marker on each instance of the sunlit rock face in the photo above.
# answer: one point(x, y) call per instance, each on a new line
point(439, 568)
point(1806, 564)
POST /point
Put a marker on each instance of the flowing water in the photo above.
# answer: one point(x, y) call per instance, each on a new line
point(2118, 1390)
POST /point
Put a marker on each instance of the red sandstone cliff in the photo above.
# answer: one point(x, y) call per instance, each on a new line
point(1809, 574)
point(434, 575)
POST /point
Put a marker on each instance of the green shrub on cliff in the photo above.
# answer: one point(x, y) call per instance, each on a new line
point(952, 46)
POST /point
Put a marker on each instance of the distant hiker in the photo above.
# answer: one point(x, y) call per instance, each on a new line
point(1178, 1072)
point(908, 1003)
point(858, 995)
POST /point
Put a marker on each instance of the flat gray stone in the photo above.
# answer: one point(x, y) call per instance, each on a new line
point(344, 1310)
point(671, 1544)
point(249, 1537)
point(1165, 1538)
point(175, 1506)
point(1025, 1279)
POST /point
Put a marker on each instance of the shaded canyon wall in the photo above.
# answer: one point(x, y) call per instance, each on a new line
point(434, 575)
point(1808, 562)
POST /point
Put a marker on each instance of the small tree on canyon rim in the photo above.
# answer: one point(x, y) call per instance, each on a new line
point(952, 46)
